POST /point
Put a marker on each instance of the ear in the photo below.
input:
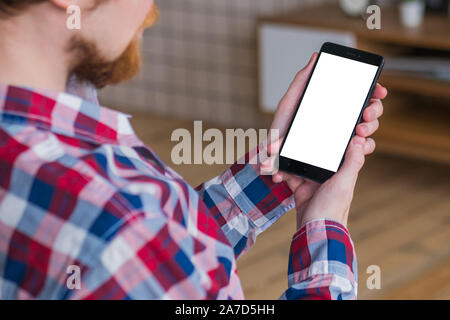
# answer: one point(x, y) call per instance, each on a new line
point(62, 4)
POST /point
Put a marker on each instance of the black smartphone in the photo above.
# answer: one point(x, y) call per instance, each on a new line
point(332, 104)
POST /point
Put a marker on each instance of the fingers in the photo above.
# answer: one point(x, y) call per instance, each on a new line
point(380, 92)
point(367, 128)
point(278, 177)
point(302, 188)
point(354, 159)
point(294, 182)
point(369, 146)
point(305, 192)
point(373, 111)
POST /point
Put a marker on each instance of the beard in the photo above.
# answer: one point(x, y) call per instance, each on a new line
point(90, 65)
point(93, 68)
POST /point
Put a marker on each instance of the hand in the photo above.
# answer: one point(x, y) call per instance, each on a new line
point(332, 199)
point(331, 193)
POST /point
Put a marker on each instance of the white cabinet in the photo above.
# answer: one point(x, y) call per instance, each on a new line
point(283, 51)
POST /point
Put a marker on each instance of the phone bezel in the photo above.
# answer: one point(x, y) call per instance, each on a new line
point(310, 171)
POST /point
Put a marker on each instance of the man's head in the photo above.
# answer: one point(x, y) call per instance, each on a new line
point(106, 48)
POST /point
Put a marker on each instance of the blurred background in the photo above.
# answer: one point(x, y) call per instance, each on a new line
point(228, 62)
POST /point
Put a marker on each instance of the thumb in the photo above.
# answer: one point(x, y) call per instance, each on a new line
point(290, 100)
point(303, 74)
point(298, 84)
point(274, 144)
point(354, 158)
point(268, 157)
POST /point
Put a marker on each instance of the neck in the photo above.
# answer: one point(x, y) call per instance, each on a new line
point(27, 58)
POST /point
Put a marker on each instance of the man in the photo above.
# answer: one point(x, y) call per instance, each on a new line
point(79, 191)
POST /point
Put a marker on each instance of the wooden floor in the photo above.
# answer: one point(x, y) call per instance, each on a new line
point(399, 221)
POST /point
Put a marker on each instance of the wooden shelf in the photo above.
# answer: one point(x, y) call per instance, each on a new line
point(408, 132)
point(415, 84)
point(433, 33)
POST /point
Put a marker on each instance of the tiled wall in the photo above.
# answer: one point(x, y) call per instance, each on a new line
point(200, 61)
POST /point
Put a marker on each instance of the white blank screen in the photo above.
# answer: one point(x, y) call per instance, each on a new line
point(328, 112)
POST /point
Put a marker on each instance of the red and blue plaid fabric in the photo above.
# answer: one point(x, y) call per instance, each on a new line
point(78, 188)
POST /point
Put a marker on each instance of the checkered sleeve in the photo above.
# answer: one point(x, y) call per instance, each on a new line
point(322, 263)
point(245, 202)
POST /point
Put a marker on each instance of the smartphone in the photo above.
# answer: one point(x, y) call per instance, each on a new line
point(332, 105)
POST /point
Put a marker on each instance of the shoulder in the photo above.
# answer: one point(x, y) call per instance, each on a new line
point(63, 174)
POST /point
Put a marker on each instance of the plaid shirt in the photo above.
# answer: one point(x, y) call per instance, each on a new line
point(78, 188)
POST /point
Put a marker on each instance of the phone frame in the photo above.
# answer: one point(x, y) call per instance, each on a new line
point(310, 171)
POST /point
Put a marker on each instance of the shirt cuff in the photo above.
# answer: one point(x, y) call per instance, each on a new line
point(323, 247)
point(260, 199)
